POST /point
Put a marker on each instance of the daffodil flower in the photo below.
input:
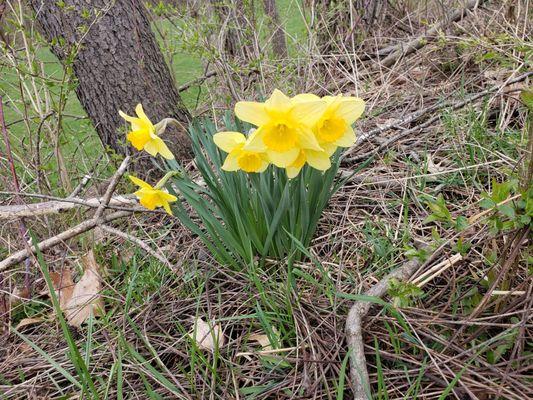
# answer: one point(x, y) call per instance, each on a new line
point(152, 197)
point(284, 126)
point(334, 127)
point(316, 159)
point(143, 134)
point(233, 143)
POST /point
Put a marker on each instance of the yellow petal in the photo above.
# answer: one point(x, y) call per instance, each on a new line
point(307, 140)
point(228, 141)
point(140, 193)
point(263, 167)
point(332, 99)
point(140, 112)
point(318, 159)
point(167, 208)
point(284, 159)
point(169, 198)
point(139, 182)
point(162, 148)
point(231, 163)
point(347, 139)
point(300, 160)
point(303, 97)
point(126, 116)
point(308, 113)
point(151, 147)
point(252, 112)
point(292, 172)
point(255, 141)
point(150, 200)
point(278, 101)
point(139, 138)
point(350, 109)
point(329, 148)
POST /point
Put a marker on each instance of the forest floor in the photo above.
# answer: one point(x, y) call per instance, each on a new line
point(445, 144)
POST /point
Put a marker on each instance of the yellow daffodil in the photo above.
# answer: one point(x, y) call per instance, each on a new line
point(316, 159)
point(143, 134)
point(233, 143)
point(284, 126)
point(334, 127)
point(151, 197)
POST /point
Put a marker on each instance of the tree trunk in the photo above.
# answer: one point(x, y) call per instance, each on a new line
point(279, 44)
point(118, 64)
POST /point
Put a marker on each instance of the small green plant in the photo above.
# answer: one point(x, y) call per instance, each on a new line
point(248, 215)
point(511, 208)
point(403, 293)
point(441, 213)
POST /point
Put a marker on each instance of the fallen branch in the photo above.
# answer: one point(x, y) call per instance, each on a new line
point(410, 47)
point(58, 206)
point(85, 226)
point(354, 334)
point(96, 220)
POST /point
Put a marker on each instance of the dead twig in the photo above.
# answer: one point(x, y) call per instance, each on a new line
point(62, 205)
point(197, 81)
point(85, 226)
point(111, 188)
point(139, 243)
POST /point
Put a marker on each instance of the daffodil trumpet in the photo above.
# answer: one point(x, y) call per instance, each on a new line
point(144, 135)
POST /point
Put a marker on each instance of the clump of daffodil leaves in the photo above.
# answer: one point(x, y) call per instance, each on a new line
point(263, 182)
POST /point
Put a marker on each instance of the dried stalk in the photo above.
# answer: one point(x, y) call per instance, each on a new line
point(58, 206)
point(139, 243)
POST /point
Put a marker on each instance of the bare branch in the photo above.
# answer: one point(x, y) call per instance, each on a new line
point(55, 240)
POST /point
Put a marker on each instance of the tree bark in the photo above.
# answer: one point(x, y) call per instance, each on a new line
point(279, 44)
point(117, 63)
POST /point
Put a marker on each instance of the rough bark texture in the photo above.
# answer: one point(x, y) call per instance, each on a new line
point(118, 64)
point(279, 44)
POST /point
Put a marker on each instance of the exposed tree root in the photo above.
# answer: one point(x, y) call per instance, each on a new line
point(354, 334)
